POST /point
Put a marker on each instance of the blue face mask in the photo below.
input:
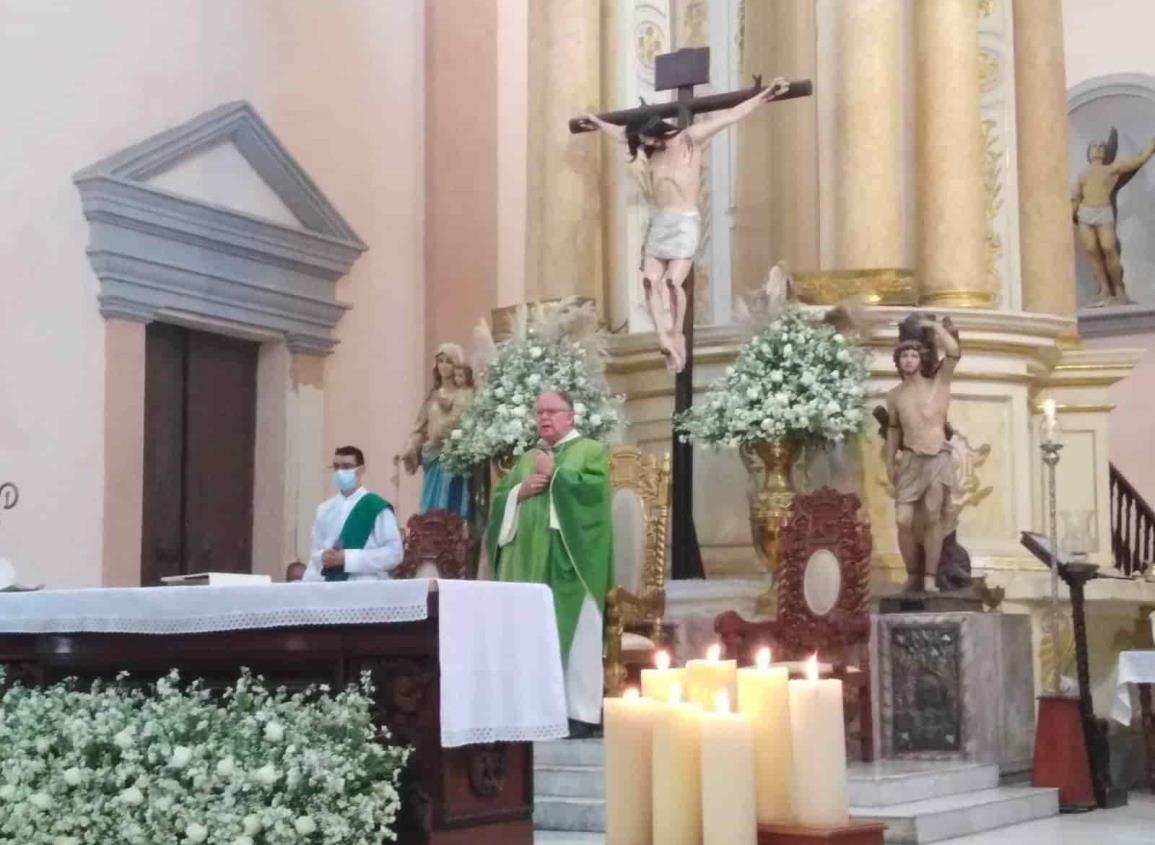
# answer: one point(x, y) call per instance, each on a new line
point(345, 479)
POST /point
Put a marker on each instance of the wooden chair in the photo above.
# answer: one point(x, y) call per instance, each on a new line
point(823, 603)
point(436, 546)
point(636, 605)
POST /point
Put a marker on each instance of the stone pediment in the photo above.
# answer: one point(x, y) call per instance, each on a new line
point(214, 220)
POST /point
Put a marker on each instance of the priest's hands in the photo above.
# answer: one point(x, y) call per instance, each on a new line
point(543, 463)
point(532, 486)
point(332, 558)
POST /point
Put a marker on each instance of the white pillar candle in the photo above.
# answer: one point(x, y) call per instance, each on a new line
point(729, 816)
point(819, 738)
point(764, 696)
point(704, 678)
point(629, 725)
point(657, 682)
point(1050, 424)
point(677, 773)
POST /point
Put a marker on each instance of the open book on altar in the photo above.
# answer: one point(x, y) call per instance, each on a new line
point(215, 579)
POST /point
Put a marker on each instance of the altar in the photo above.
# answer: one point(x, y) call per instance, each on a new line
point(466, 673)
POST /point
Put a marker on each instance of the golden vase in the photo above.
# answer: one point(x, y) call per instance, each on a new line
point(770, 508)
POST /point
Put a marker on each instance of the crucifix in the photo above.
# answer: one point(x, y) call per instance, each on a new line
point(673, 159)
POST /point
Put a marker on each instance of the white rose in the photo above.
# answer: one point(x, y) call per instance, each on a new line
point(243, 840)
point(498, 392)
point(535, 352)
point(72, 776)
point(579, 408)
point(40, 800)
point(181, 757)
point(196, 832)
point(124, 739)
point(534, 380)
point(251, 824)
point(266, 774)
point(305, 825)
point(456, 434)
point(7, 792)
point(274, 732)
point(65, 840)
point(595, 420)
point(132, 796)
point(226, 767)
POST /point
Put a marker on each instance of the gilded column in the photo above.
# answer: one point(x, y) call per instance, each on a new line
point(563, 229)
point(868, 213)
point(1045, 243)
point(951, 204)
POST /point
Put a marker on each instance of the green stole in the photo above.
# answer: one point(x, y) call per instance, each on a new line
point(357, 529)
point(576, 561)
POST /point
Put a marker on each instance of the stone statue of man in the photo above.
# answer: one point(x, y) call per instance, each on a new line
point(918, 457)
point(1095, 206)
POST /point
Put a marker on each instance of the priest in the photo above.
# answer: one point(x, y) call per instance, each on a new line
point(550, 524)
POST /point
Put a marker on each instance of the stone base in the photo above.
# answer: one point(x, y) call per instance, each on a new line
point(960, 601)
point(955, 686)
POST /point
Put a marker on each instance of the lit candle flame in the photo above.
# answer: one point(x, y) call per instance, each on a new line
point(674, 695)
point(662, 660)
point(631, 694)
point(714, 652)
point(812, 667)
point(762, 661)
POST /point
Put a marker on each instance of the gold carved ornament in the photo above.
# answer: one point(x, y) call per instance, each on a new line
point(648, 477)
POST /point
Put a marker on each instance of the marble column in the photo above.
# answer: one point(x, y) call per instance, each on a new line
point(1046, 245)
point(868, 211)
point(776, 174)
point(951, 203)
point(564, 208)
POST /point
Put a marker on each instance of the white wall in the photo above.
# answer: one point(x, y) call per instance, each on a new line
point(340, 82)
point(1108, 36)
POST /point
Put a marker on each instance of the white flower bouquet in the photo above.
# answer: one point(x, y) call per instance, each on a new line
point(178, 764)
point(798, 379)
point(500, 424)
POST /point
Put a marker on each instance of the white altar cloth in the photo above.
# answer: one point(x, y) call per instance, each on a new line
point(501, 673)
point(1135, 667)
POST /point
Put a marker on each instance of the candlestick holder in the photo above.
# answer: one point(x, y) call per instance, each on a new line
point(1051, 449)
point(851, 833)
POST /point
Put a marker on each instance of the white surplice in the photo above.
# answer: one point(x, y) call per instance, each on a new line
point(584, 675)
point(383, 549)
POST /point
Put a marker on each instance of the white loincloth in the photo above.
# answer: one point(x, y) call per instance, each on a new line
point(672, 234)
point(1095, 215)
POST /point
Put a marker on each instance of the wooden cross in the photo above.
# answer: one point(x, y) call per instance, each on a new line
point(683, 70)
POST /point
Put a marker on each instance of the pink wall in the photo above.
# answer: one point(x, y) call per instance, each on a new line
point(461, 231)
point(1132, 430)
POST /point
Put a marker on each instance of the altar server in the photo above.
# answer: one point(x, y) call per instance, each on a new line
point(355, 534)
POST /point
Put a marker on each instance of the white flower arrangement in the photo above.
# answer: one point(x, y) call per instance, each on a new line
point(180, 765)
point(797, 379)
point(499, 422)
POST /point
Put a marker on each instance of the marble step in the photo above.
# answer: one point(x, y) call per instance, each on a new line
point(570, 814)
point(889, 782)
point(935, 819)
point(569, 752)
point(569, 781)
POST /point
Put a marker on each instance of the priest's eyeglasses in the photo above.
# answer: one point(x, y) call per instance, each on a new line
point(336, 466)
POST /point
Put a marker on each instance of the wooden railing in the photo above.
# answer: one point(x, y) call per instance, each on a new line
point(1132, 526)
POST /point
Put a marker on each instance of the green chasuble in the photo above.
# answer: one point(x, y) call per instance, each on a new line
point(357, 529)
point(578, 559)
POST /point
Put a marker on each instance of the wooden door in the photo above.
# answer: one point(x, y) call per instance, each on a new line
point(200, 425)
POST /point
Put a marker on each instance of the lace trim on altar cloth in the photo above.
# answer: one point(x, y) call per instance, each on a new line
point(213, 622)
point(512, 733)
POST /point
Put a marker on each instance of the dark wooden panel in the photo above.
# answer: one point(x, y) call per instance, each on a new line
point(161, 541)
point(220, 413)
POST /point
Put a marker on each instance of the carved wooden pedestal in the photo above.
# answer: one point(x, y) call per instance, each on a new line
point(855, 833)
point(449, 796)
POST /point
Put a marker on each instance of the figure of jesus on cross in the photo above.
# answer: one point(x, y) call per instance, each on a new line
point(672, 173)
point(673, 160)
